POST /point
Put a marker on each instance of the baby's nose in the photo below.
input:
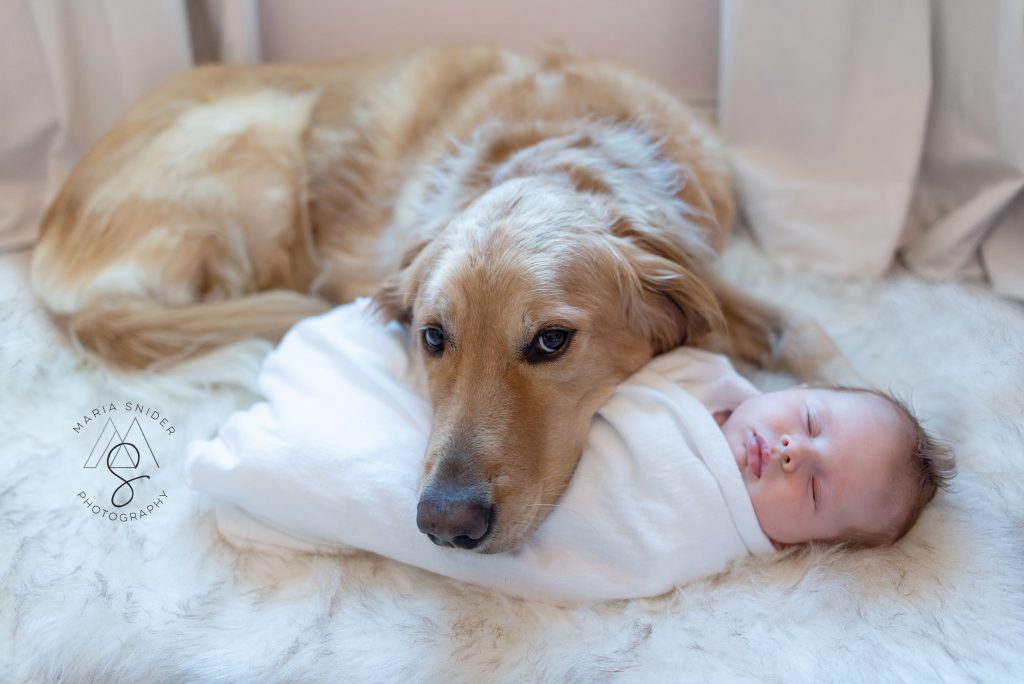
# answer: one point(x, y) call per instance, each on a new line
point(788, 451)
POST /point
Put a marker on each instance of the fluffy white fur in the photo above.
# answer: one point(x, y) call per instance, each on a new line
point(83, 600)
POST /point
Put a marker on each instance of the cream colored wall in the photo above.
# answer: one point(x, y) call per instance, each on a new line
point(676, 41)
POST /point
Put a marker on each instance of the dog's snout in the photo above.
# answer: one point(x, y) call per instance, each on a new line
point(454, 517)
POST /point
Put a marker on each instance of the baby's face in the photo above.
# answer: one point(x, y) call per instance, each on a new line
point(817, 462)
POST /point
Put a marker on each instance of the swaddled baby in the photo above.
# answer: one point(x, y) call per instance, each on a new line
point(687, 468)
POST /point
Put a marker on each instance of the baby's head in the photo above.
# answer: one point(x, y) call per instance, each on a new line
point(835, 464)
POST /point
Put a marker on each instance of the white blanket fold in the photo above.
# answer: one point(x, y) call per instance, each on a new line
point(331, 460)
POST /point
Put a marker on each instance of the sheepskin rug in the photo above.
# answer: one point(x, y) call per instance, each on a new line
point(162, 598)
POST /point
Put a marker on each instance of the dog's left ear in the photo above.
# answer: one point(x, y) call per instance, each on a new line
point(395, 296)
point(668, 297)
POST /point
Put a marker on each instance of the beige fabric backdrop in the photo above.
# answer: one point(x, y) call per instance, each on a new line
point(968, 215)
point(864, 130)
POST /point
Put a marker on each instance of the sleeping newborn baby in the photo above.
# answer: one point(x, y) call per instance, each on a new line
point(687, 468)
point(838, 465)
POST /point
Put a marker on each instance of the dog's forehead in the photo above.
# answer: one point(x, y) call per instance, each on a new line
point(492, 283)
point(476, 272)
point(515, 253)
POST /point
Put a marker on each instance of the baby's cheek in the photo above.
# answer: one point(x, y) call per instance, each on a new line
point(761, 509)
point(774, 512)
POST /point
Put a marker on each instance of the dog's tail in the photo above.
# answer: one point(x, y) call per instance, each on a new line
point(132, 335)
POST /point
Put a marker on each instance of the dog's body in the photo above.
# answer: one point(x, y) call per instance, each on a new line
point(545, 225)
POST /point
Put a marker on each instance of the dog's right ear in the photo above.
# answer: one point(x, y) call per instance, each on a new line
point(395, 296)
point(390, 301)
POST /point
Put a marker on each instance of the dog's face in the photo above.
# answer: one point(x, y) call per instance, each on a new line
point(527, 311)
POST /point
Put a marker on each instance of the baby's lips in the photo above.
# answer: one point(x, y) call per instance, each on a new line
point(754, 454)
point(766, 451)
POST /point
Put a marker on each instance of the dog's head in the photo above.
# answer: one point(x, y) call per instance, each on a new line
point(527, 310)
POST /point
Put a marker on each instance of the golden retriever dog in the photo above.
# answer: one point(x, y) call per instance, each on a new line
point(543, 224)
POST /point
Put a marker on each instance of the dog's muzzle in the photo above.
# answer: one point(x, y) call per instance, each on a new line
point(454, 516)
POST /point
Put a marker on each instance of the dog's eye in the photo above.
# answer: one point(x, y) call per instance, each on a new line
point(548, 344)
point(433, 339)
point(550, 341)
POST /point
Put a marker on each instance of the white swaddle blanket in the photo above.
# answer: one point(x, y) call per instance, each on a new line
point(331, 460)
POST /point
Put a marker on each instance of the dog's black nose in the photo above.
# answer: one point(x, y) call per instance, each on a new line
point(453, 517)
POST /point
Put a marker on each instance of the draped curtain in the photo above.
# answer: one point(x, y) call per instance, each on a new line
point(864, 131)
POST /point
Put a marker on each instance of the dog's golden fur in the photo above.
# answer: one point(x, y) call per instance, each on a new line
point(487, 194)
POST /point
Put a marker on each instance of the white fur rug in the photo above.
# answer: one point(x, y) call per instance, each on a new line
point(163, 599)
